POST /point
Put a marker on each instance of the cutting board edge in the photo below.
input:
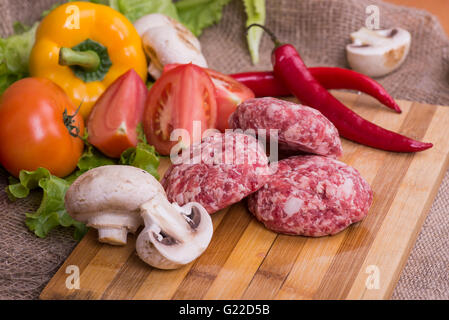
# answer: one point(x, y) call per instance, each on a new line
point(418, 228)
point(47, 294)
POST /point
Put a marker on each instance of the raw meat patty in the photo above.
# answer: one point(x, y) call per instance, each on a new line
point(300, 128)
point(225, 169)
point(311, 196)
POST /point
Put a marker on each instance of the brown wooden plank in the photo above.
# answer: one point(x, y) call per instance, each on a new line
point(231, 291)
point(162, 284)
point(242, 263)
point(244, 260)
point(341, 274)
point(207, 267)
point(128, 280)
point(275, 267)
point(83, 253)
point(406, 215)
point(317, 255)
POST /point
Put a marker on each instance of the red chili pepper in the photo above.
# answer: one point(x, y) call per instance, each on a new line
point(264, 84)
point(290, 69)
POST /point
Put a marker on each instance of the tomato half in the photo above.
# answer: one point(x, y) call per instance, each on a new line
point(228, 92)
point(35, 130)
point(114, 118)
point(179, 97)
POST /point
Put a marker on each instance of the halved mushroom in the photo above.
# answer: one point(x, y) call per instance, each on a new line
point(166, 41)
point(173, 235)
point(378, 52)
point(108, 198)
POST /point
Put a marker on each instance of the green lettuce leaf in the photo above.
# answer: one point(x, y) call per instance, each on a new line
point(200, 14)
point(143, 156)
point(91, 158)
point(134, 9)
point(14, 54)
point(255, 11)
point(51, 212)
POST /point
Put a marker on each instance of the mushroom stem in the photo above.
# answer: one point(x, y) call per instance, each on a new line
point(114, 236)
point(108, 198)
point(160, 212)
point(173, 236)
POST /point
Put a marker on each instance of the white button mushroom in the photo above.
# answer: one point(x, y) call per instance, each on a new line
point(376, 53)
point(108, 198)
point(166, 41)
point(118, 199)
point(173, 235)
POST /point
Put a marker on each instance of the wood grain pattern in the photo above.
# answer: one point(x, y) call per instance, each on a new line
point(246, 261)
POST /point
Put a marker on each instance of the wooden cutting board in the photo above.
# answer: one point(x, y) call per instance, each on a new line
point(246, 261)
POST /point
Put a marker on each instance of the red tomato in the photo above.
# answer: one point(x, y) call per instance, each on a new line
point(34, 131)
point(114, 118)
point(180, 96)
point(228, 92)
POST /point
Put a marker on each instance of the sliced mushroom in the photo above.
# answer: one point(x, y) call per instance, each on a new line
point(173, 235)
point(166, 41)
point(108, 198)
point(378, 52)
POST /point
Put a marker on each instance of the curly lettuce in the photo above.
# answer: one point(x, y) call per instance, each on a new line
point(14, 55)
point(51, 212)
point(200, 14)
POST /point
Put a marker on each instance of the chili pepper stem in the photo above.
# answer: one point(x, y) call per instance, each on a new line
point(273, 37)
point(88, 60)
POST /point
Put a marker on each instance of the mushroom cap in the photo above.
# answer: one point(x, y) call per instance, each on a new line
point(155, 20)
point(377, 53)
point(175, 236)
point(165, 41)
point(109, 198)
point(166, 44)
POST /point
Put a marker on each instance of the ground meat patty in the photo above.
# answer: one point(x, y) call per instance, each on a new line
point(225, 169)
point(311, 196)
point(300, 128)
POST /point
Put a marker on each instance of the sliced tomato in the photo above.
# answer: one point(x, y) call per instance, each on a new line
point(115, 116)
point(228, 92)
point(182, 95)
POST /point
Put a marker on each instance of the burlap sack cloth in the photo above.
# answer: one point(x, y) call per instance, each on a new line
point(319, 29)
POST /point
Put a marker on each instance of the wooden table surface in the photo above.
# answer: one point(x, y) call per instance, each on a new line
point(440, 8)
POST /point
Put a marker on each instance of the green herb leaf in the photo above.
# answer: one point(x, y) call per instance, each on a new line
point(143, 156)
point(134, 9)
point(91, 158)
point(51, 212)
point(200, 14)
point(14, 54)
point(255, 11)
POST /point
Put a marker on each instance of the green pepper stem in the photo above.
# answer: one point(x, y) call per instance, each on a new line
point(88, 60)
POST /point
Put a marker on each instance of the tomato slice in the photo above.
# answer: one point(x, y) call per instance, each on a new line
point(228, 92)
point(182, 95)
point(116, 114)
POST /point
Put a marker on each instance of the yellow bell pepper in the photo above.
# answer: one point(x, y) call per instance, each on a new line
point(83, 47)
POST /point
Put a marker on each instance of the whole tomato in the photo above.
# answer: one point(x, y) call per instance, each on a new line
point(182, 96)
point(39, 127)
